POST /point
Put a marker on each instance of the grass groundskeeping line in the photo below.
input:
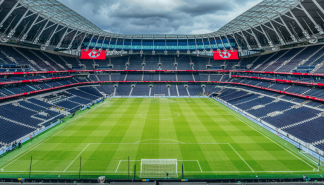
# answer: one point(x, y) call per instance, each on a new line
point(209, 139)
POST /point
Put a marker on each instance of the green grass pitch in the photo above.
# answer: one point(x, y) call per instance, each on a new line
point(209, 139)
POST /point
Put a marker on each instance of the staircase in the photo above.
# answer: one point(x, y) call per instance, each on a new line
point(54, 61)
point(263, 61)
point(260, 106)
point(276, 60)
point(130, 93)
point(317, 67)
point(304, 61)
point(68, 65)
point(318, 142)
point(31, 61)
point(249, 100)
point(10, 58)
point(250, 65)
point(286, 62)
point(18, 123)
point(221, 78)
point(42, 60)
point(188, 91)
point(98, 78)
point(193, 77)
point(177, 90)
point(295, 124)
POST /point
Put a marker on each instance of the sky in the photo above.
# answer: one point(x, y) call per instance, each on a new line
point(160, 16)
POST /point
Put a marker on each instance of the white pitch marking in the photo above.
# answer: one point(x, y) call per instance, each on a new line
point(121, 161)
point(53, 135)
point(186, 172)
point(158, 140)
point(188, 100)
point(262, 134)
point(310, 160)
point(147, 100)
point(199, 166)
point(118, 166)
point(112, 114)
point(76, 157)
point(196, 161)
point(161, 143)
point(240, 157)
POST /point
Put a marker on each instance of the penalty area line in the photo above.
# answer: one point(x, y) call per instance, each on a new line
point(240, 157)
point(76, 157)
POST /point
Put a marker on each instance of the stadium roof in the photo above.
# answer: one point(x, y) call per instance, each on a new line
point(260, 13)
point(269, 24)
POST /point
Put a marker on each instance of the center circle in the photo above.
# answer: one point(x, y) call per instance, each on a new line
point(159, 115)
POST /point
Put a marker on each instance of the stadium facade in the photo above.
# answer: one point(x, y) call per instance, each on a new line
point(276, 84)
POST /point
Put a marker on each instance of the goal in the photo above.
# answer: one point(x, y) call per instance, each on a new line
point(159, 95)
point(158, 168)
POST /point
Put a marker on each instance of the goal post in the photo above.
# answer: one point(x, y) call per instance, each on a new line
point(158, 168)
point(159, 95)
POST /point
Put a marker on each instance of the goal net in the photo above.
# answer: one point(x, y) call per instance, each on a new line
point(158, 168)
point(159, 95)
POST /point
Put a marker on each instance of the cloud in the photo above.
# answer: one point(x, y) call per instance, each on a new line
point(160, 16)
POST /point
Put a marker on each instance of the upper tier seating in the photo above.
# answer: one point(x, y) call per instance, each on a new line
point(301, 56)
point(183, 63)
point(135, 63)
point(167, 62)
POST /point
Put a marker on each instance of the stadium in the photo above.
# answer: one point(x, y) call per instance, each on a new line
point(242, 104)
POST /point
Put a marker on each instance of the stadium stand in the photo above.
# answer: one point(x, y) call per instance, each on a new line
point(287, 112)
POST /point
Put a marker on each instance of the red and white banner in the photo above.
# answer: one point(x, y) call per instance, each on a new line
point(226, 55)
point(93, 54)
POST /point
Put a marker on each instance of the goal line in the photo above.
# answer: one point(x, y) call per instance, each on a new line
point(159, 95)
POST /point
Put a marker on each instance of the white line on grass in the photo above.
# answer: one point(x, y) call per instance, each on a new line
point(113, 114)
point(76, 157)
point(261, 133)
point(308, 158)
point(123, 160)
point(188, 100)
point(196, 161)
point(159, 140)
point(16, 157)
point(240, 157)
point(101, 172)
point(199, 166)
point(118, 166)
point(147, 100)
point(161, 143)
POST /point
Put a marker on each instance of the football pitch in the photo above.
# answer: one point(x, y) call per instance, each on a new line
point(205, 137)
